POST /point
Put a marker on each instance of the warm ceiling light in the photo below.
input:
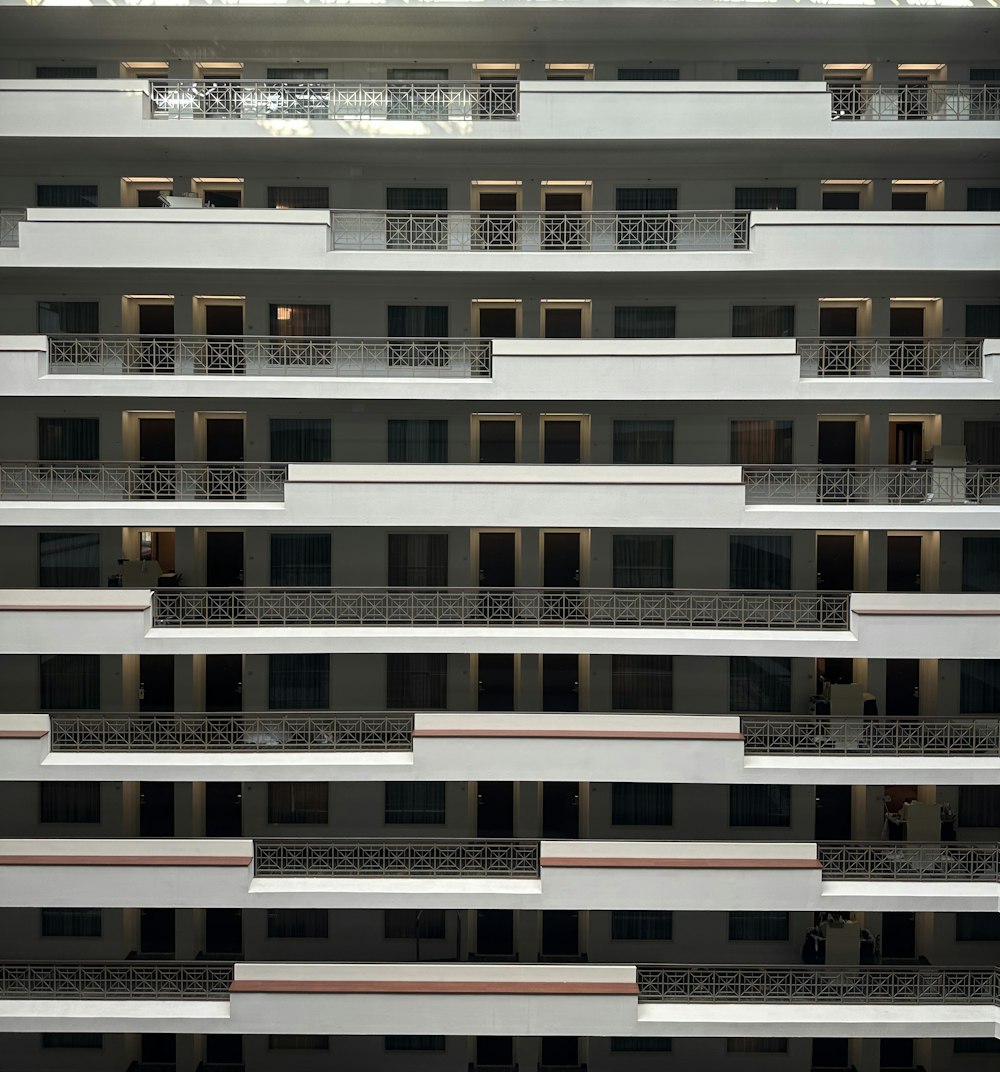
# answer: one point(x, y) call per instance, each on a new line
point(496, 66)
point(917, 182)
point(214, 180)
point(496, 182)
point(147, 297)
point(569, 66)
point(845, 182)
point(846, 66)
point(903, 300)
point(567, 182)
point(219, 66)
point(147, 178)
point(844, 299)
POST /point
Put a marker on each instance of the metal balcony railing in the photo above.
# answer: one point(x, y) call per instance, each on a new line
point(916, 100)
point(126, 481)
point(876, 485)
point(910, 861)
point(284, 731)
point(136, 980)
point(573, 232)
point(10, 218)
point(766, 735)
point(262, 99)
point(431, 857)
point(623, 608)
point(944, 358)
point(252, 355)
point(828, 985)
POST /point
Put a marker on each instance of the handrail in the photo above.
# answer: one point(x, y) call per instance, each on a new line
point(625, 608)
point(276, 731)
point(574, 232)
point(128, 481)
point(267, 355)
point(959, 358)
point(427, 857)
point(279, 98)
point(786, 735)
point(879, 485)
point(851, 100)
point(910, 861)
point(10, 220)
point(174, 980)
point(798, 985)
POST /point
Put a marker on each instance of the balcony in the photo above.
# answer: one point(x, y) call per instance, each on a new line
point(10, 218)
point(939, 358)
point(777, 735)
point(270, 99)
point(873, 485)
point(910, 862)
point(161, 981)
point(210, 355)
point(914, 101)
point(583, 607)
point(141, 481)
point(573, 232)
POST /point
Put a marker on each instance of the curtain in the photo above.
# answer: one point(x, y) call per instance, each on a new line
point(627, 1044)
point(760, 683)
point(649, 74)
point(982, 199)
point(756, 1045)
point(298, 682)
point(759, 805)
point(416, 681)
point(767, 74)
point(760, 442)
point(642, 682)
point(299, 320)
point(763, 321)
point(298, 802)
point(643, 561)
point(758, 926)
point(979, 805)
point(417, 321)
point(415, 1042)
point(403, 923)
point(66, 196)
point(645, 321)
point(298, 923)
point(760, 562)
point(416, 198)
point(300, 559)
point(70, 802)
point(71, 1040)
point(982, 442)
point(69, 682)
point(418, 559)
point(981, 564)
point(647, 925)
point(983, 321)
point(414, 803)
point(980, 687)
point(418, 441)
point(643, 442)
point(71, 922)
point(298, 197)
point(765, 197)
point(977, 927)
point(72, 317)
point(65, 72)
point(642, 804)
point(69, 559)
point(645, 199)
point(301, 439)
point(298, 1042)
point(69, 439)
point(299, 74)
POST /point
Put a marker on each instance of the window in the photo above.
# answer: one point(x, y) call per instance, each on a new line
point(626, 1044)
point(756, 1045)
point(299, 74)
point(65, 72)
point(71, 922)
point(977, 927)
point(760, 442)
point(66, 196)
point(763, 321)
point(982, 321)
point(298, 1042)
point(414, 803)
point(298, 682)
point(645, 321)
point(418, 559)
point(981, 564)
point(66, 1040)
point(765, 197)
point(982, 199)
point(767, 74)
point(298, 923)
point(69, 682)
point(760, 562)
point(760, 805)
point(297, 321)
point(73, 317)
point(298, 197)
point(760, 683)
point(642, 561)
point(69, 560)
point(417, 321)
point(298, 802)
point(645, 198)
point(418, 441)
point(301, 439)
point(649, 74)
point(842, 200)
point(979, 805)
point(642, 682)
point(70, 802)
point(642, 926)
point(979, 692)
point(415, 1042)
point(977, 1045)
point(301, 559)
point(68, 439)
point(982, 442)
point(415, 217)
point(758, 926)
point(643, 442)
point(416, 681)
point(409, 923)
point(642, 804)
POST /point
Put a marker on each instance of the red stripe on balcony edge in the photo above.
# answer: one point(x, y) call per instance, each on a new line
point(23, 735)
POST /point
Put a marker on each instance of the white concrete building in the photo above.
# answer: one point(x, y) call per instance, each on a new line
point(500, 514)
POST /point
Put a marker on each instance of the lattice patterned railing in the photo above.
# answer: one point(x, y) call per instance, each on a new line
point(944, 358)
point(811, 736)
point(876, 485)
point(914, 101)
point(914, 861)
point(161, 980)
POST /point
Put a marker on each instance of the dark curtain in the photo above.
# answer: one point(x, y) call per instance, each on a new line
point(301, 559)
point(760, 683)
point(298, 682)
point(643, 561)
point(981, 564)
point(759, 805)
point(69, 439)
point(418, 441)
point(763, 321)
point(642, 442)
point(642, 804)
point(415, 803)
point(645, 321)
point(301, 439)
point(416, 681)
point(641, 682)
point(760, 562)
point(70, 317)
point(69, 559)
point(980, 687)
point(418, 559)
